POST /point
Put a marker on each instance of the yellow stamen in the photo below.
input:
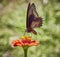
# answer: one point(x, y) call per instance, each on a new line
point(26, 37)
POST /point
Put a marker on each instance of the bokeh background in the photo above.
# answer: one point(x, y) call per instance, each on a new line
point(12, 25)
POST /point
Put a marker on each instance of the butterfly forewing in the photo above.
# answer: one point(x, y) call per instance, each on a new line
point(34, 10)
point(27, 21)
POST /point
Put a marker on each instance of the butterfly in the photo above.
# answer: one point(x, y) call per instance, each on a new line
point(32, 20)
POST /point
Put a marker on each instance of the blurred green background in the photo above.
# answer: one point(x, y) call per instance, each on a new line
point(12, 23)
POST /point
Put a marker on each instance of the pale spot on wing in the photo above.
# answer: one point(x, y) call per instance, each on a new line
point(35, 24)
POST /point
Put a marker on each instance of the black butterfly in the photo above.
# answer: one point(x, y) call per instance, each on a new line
point(32, 20)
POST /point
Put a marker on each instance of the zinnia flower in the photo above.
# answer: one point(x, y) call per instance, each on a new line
point(24, 41)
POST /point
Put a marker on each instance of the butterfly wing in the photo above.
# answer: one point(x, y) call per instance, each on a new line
point(34, 10)
point(27, 18)
point(30, 15)
point(32, 18)
point(37, 22)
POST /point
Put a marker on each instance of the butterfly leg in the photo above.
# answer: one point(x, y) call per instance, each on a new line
point(24, 33)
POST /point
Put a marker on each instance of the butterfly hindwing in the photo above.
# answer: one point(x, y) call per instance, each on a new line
point(37, 22)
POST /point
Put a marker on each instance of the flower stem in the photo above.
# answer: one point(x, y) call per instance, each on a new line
point(25, 51)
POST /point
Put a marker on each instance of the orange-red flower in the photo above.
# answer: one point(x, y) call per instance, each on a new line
point(25, 41)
